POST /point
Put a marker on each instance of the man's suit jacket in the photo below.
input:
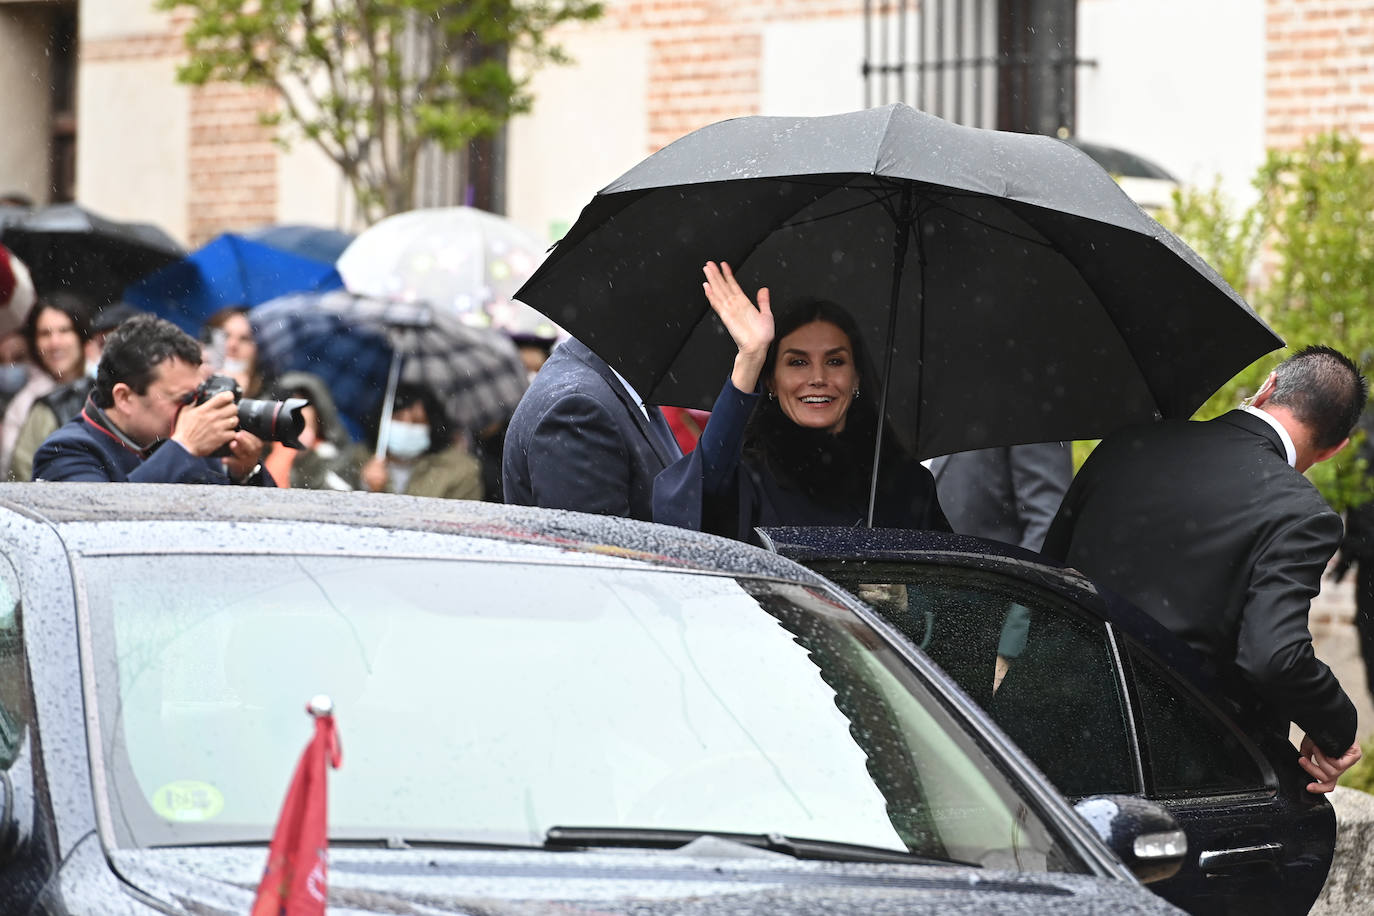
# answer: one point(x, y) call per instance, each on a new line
point(1008, 494)
point(579, 441)
point(1206, 527)
point(82, 450)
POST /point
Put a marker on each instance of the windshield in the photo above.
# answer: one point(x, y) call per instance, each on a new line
point(492, 701)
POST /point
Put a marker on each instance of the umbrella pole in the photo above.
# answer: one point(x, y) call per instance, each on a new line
point(384, 426)
point(903, 222)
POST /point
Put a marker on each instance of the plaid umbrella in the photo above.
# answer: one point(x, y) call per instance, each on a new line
point(361, 347)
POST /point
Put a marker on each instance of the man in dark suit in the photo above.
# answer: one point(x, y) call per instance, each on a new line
point(1212, 529)
point(582, 439)
point(1007, 494)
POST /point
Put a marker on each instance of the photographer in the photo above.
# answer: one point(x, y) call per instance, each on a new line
point(142, 422)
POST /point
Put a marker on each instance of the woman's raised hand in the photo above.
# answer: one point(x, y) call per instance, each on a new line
point(750, 327)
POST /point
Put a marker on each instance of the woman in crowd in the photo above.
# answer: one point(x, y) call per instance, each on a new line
point(55, 332)
point(422, 456)
point(233, 349)
point(800, 452)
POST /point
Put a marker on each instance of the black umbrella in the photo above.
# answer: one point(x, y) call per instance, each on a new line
point(69, 247)
point(1012, 291)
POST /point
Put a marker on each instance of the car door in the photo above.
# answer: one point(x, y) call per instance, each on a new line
point(1251, 849)
point(1044, 668)
point(1050, 671)
point(25, 863)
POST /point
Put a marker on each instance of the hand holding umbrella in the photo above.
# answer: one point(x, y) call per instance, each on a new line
point(750, 326)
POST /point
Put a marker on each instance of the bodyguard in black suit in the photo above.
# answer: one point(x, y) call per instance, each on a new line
point(1213, 529)
point(579, 440)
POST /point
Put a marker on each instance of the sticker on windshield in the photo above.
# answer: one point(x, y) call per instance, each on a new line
point(188, 800)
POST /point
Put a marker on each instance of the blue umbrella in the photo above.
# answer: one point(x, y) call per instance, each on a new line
point(229, 271)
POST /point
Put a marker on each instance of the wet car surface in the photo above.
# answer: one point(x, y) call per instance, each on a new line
point(539, 712)
point(1103, 699)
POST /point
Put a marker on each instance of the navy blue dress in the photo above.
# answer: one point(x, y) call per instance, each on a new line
point(715, 489)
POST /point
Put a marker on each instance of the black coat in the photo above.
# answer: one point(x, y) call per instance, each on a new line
point(749, 495)
point(1206, 527)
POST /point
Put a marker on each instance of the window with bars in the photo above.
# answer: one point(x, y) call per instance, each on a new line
point(1004, 64)
point(474, 175)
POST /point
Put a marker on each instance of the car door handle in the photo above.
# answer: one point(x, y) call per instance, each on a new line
point(1217, 861)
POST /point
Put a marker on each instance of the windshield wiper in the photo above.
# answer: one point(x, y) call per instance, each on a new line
point(797, 847)
point(388, 842)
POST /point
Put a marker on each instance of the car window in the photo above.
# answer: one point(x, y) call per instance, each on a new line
point(1189, 749)
point(14, 688)
point(491, 701)
point(1039, 666)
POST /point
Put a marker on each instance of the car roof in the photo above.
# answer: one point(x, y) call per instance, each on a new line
point(96, 516)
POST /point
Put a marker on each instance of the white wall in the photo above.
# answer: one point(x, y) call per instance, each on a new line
point(114, 18)
point(133, 134)
point(1179, 82)
point(590, 124)
point(24, 72)
point(812, 67)
point(311, 189)
point(133, 123)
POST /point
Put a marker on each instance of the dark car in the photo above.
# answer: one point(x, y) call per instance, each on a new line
point(540, 712)
point(1104, 700)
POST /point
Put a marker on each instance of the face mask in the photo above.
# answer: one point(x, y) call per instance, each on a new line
point(407, 440)
point(232, 366)
point(92, 368)
point(12, 378)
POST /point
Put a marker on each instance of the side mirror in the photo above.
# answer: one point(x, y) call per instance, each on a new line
point(1142, 834)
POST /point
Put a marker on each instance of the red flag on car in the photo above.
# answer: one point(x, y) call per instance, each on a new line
point(294, 883)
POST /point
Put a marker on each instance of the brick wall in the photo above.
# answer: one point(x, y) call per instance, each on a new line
point(706, 55)
point(705, 66)
point(233, 160)
point(1320, 69)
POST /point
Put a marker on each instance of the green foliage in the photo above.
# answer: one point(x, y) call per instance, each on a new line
point(1303, 256)
point(1361, 775)
point(1230, 242)
point(372, 81)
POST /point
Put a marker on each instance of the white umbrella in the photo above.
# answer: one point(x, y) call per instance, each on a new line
point(457, 259)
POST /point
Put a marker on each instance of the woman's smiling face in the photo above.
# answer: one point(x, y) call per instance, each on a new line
point(814, 378)
point(59, 344)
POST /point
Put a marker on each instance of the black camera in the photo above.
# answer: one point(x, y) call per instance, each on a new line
point(273, 421)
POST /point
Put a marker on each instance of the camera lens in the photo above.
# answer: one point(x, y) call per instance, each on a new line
point(274, 421)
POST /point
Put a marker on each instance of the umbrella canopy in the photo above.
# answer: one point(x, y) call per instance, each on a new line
point(315, 242)
point(354, 343)
point(68, 247)
point(457, 259)
point(1011, 290)
point(230, 270)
